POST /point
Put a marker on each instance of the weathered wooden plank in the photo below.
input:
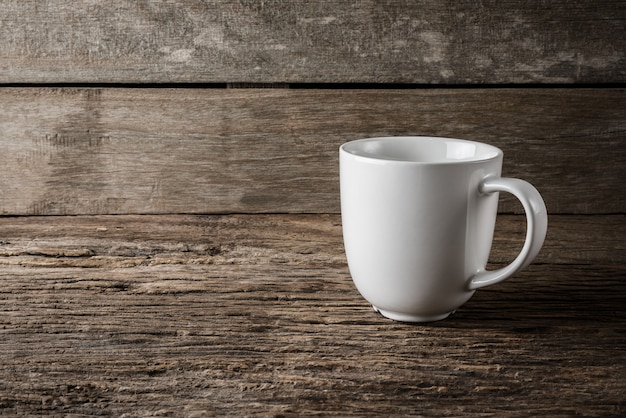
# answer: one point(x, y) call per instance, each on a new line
point(152, 240)
point(113, 151)
point(280, 330)
point(307, 346)
point(512, 41)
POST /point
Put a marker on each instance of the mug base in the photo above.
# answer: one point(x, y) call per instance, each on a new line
point(400, 317)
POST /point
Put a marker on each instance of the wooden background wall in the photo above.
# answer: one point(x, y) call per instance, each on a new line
point(132, 107)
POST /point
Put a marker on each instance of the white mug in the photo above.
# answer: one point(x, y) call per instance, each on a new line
point(418, 216)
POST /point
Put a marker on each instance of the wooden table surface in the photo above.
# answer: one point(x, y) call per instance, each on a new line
point(244, 315)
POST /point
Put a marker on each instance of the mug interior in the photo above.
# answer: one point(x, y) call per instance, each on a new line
point(421, 149)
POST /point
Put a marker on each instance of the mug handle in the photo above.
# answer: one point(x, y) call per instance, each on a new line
point(536, 222)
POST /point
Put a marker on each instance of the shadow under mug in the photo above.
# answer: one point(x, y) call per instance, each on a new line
point(418, 217)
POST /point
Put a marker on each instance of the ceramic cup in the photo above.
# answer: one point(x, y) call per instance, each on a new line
point(418, 216)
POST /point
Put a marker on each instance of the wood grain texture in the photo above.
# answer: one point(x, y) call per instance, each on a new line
point(400, 41)
point(116, 151)
point(257, 315)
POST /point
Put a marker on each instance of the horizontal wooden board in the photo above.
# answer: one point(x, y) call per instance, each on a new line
point(114, 151)
point(122, 241)
point(402, 41)
point(257, 315)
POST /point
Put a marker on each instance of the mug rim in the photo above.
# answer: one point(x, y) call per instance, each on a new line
point(490, 153)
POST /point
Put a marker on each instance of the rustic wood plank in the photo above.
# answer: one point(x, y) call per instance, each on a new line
point(115, 151)
point(263, 319)
point(512, 41)
point(140, 240)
